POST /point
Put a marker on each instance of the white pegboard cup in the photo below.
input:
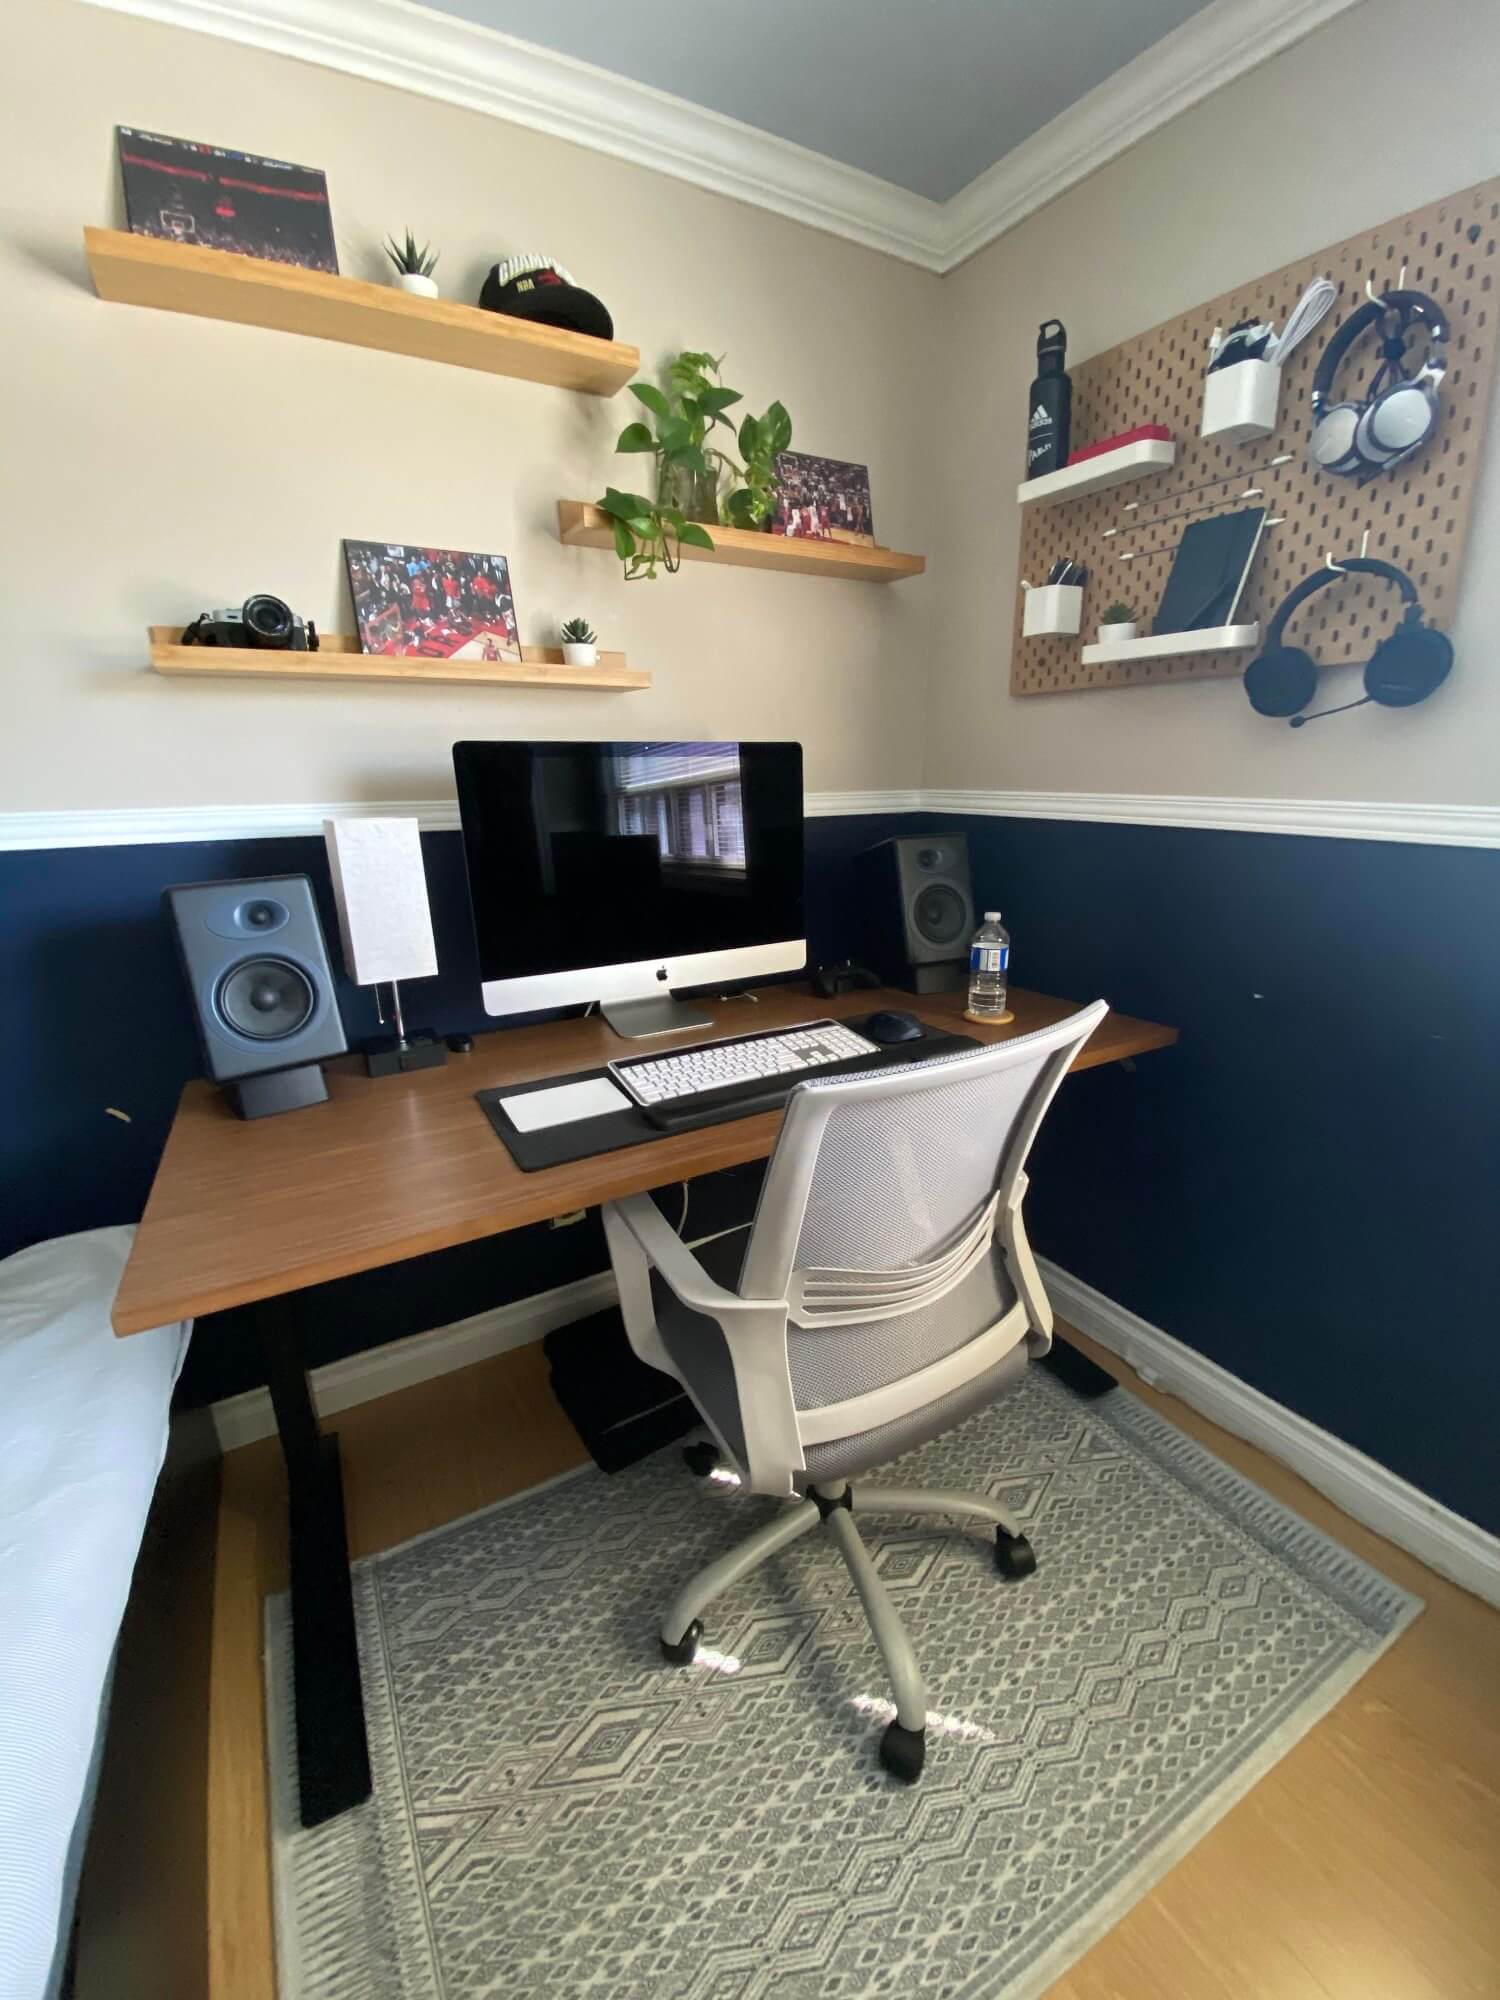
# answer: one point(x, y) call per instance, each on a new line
point(1241, 403)
point(1052, 610)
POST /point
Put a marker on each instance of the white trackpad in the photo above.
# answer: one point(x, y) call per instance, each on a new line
point(564, 1104)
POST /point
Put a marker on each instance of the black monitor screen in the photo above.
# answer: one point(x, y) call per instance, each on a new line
point(584, 854)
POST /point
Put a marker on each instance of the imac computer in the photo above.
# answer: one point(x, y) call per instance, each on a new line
point(616, 871)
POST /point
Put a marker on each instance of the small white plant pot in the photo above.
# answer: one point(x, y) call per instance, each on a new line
point(416, 284)
point(1241, 403)
point(1051, 609)
point(580, 656)
point(1117, 633)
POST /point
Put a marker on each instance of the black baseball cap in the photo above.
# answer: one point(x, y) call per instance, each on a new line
point(538, 288)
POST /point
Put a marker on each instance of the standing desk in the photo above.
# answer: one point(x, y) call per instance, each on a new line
point(247, 1214)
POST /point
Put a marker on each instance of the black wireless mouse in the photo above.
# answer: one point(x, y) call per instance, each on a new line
point(885, 1027)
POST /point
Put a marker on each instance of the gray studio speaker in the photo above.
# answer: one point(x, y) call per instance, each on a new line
point(918, 911)
point(261, 986)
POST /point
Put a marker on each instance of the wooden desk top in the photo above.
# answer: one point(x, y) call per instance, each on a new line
point(394, 1166)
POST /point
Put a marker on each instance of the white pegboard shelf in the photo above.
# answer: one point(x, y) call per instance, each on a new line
point(1165, 645)
point(1111, 468)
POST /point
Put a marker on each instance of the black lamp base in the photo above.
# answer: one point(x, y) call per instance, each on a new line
point(391, 1054)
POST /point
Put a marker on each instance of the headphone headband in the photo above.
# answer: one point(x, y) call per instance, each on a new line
point(1413, 309)
point(1321, 578)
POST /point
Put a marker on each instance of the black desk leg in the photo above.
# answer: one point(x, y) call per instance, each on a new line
point(333, 1757)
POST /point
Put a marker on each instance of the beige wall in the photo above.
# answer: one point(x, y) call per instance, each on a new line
point(1381, 112)
point(155, 464)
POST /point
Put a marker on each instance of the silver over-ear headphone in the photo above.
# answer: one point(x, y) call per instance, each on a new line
point(1400, 411)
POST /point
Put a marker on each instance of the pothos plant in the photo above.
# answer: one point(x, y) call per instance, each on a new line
point(692, 466)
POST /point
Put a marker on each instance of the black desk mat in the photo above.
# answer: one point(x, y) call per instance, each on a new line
point(612, 1131)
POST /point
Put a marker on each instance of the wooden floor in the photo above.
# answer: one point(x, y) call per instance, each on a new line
point(1365, 1866)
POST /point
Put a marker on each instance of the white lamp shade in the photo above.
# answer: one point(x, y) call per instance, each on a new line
point(380, 886)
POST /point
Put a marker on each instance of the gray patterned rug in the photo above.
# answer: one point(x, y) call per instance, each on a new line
point(557, 1813)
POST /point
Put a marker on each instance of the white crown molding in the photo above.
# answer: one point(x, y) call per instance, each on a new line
point(1389, 1505)
point(415, 48)
point(1322, 819)
point(435, 55)
point(1211, 48)
point(1326, 819)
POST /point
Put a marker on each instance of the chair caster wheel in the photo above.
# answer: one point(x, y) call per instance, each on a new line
point(686, 1649)
point(701, 1458)
point(1014, 1556)
point(903, 1751)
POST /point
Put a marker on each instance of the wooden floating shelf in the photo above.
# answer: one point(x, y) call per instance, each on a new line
point(1167, 645)
point(253, 291)
point(582, 526)
point(1111, 468)
point(338, 658)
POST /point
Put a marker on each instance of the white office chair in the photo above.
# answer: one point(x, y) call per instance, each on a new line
point(884, 1291)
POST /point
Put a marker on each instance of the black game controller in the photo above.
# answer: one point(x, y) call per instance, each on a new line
point(848, 977)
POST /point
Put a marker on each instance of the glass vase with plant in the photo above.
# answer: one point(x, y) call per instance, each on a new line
point(692, 467)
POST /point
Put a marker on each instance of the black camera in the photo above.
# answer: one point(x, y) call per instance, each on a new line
point(260, 622)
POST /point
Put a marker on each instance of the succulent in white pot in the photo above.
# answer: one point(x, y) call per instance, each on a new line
point(579, 643)
point(414, 267)
point(1116, 624)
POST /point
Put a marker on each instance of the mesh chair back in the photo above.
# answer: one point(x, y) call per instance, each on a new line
point(877, 1215)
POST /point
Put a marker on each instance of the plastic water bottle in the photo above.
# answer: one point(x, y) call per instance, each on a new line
point(989, 967)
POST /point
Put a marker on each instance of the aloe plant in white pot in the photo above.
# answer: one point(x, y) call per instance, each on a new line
point(414, 267)
point(579, 643)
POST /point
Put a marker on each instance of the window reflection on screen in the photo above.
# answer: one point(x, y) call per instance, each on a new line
point(687, 796)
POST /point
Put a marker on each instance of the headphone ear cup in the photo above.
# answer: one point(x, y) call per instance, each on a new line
point(1408, 666)
point(1332, 445)
point(1281, 681)
point(1396, 424)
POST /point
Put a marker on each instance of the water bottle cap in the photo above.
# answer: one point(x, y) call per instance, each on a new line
point(992, 916)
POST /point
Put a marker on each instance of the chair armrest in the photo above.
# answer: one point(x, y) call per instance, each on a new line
point(677, 1264)
point(754, 1331)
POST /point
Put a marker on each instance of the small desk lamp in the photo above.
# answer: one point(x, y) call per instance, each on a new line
point(385, 925)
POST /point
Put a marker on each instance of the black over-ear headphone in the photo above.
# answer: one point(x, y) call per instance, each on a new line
point(1405, 667)
point(1400, 411)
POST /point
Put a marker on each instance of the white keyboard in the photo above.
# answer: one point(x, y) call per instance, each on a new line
point(785, 1052)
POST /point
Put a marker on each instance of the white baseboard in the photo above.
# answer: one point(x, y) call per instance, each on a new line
point(380, 1370)
point(1390, 1506)
point(1383, 1502)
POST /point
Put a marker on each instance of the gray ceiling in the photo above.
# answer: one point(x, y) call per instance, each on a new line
point(925, 93)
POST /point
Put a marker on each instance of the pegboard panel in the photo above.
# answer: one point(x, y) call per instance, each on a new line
point(1417, 516)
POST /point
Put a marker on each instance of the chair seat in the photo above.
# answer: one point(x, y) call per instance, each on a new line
point(831, 1363)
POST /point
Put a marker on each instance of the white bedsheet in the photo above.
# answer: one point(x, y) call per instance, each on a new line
point(83, 1429)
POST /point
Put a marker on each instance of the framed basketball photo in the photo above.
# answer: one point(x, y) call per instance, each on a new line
point(188, 192)
point(827, 499)
point(433, 604)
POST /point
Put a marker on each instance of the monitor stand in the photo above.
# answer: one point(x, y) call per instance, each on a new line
point(658, 1015)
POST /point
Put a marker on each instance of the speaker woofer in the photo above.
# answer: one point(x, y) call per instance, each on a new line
point(940, 914)
point(265, 998)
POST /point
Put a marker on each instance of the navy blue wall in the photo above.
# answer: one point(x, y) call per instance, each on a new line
point(1304, 1190)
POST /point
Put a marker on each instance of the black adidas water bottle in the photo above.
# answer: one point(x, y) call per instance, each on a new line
point(1049, 408)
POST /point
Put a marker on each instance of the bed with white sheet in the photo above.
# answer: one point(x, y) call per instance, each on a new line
point(83, 1430)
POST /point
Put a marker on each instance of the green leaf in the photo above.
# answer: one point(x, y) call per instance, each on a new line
point(624, 542)
point(778, 429)
point(673, 433)
point(692, 456)
point(652, 397)
point(635, 437)
point(749, 437)
point(714, 400)
point(695, 537)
